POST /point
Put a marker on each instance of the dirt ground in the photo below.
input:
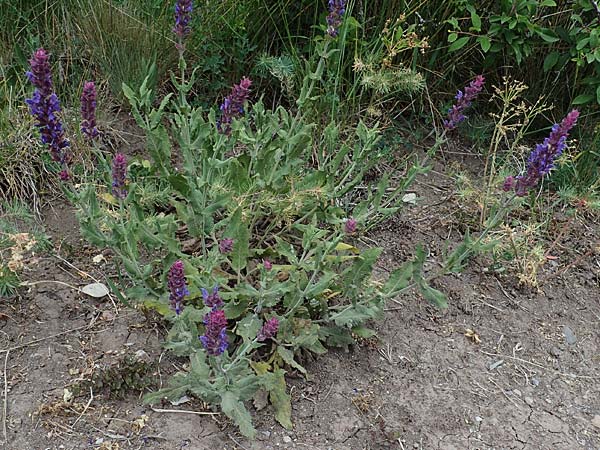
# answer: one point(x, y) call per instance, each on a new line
point(504, 367)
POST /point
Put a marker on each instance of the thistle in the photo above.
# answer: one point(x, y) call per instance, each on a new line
point(119, 175)
point(350, 226)
point(541, 160)
point(183, 16)
point(226, 245)
point(88, 110)
point(463, 101)
point(233, 105)
point(214, 339)
point(45, 107)
point(212, 300)
point(176, 282)
point(337, 8)
point(268, 330)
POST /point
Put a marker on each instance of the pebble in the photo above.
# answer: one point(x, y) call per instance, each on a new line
point(529, 401)
point(596, 421)
point(569, 335)
point(518, 392)
point(287, 439)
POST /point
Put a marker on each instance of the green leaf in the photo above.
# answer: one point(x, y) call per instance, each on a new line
point(550, 60)
point(274, 383)
point(236, 411)
point(432, 295)
point(547, 35)
point(363, 332)
point(583, 99)
point(598, 95)
point(398, 280)
point(248, 328)
point(485, 43)
point(288, 358)
point(452, 37)
point(458, 44)
point(238, 231)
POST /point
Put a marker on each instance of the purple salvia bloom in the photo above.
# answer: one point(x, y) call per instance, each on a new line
point(463, 101)
point(233, 105)
point(268, 330)
point(212, 300)
point(119, 175)
point(541, 160)
point(226, 245)
point(214, 339)
point(183, 16)
point(337, 8)
point(176, 282)
point(267, 265)
point(45, 107)
point(350, 226)
point(88, 110)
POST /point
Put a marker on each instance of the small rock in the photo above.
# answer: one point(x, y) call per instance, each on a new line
point(596, 421)
point(529, 401)
point(569, 335)
point(555, 351)
point(142, 356)
point(518, 392)
point(535, 382)
point(478, 419)
point(264, 435)
point(287, 439)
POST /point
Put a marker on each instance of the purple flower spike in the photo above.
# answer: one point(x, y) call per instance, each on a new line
point(226, 245)
point(88, 110)
point(183, 16)
point(177, 285)
point(463, 101)
point(337, 8)
point(350, 226)
point(214, 339)
point(212, 300)
point(268, 330)
point(541, 160)
point(119, 175)
point(267, 265)
point(233, 105)
point(45, 107)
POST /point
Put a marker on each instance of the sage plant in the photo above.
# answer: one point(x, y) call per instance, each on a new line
point(88, 110)
point(45, 107)
point(337, 8)
point(463, 101)
point(119, 176)
point(177, 286)
point(233, 105)
point(542, 158)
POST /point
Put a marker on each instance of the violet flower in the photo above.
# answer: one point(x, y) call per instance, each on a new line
point(541, 160)
point(233, 105)
point(88, 110)
point(268, 330)
point(45, 107)
point(212, 300)
point(350, 226)
point(337, 8)
point(119, 175)
point(267, 265)
point(463, 101)
point(214, 339)
point(226, 245)
point(176, 282)
point(183, 16)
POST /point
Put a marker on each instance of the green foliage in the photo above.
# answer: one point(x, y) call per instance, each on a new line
point(256, 188)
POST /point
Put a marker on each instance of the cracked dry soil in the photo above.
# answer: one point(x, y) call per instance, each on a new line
point(524, 377)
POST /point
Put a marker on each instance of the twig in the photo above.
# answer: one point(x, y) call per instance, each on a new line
point(33, 283)
point(236, 442)
point(184, 411)
point(491, 306)
point(514, 358)
point(85, 408)
point(35, 341)
point(5, 405)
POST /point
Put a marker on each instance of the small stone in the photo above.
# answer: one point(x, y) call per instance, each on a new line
point(478, 419)
point(142, 356)
point(518, 392)
point(569, 335)
point(555, 351)
point(529, 401)
point(287, 439)
point(535, 382)
point(596, 421)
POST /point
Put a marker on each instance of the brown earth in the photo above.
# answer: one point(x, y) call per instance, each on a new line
point(503, 367)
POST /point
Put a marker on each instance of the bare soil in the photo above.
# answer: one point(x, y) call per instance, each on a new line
point(504, 367)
